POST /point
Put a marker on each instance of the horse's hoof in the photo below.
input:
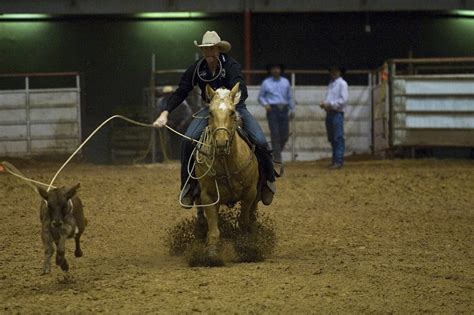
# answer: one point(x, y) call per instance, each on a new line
point(214, 260)
point(64, 266)
point(212, 251)
point(78, 253)
point(46, 270)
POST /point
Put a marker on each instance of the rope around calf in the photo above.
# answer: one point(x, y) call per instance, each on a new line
point(15, 172)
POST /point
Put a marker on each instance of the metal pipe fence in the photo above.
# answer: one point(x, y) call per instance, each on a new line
point(39, 117)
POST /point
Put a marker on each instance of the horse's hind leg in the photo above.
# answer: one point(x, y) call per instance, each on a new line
point(253, 215)
point(200, 229)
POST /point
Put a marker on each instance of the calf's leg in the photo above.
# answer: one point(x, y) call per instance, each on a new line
point(48, 250)
point(60, 253)
point(78, 251)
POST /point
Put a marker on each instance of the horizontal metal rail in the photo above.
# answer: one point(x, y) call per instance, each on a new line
point(37, 91)
point(38, 74)
point(432, 60)
point(295, 71)
point(38, 122)
point(24, 138)
point(435, 76)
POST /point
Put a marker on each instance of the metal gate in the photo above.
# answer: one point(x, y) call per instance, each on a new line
point(40, 120)
point(380, 111)
point(432, 109)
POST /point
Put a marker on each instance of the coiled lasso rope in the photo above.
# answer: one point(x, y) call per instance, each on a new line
point(15, 172)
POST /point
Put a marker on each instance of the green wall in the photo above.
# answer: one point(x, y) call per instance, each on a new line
point(113, 55)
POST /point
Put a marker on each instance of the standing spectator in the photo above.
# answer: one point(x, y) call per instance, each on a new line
point(178, 120)
point(276, 97)
point(333, 104)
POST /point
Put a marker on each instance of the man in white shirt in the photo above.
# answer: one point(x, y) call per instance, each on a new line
point(333, 104)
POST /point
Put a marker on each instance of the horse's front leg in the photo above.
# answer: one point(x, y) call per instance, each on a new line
point(248, 212)
point(200, 230)
point(213, 232)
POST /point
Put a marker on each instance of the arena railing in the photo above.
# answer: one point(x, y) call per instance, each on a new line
point(430, 103)
point(301, 80)
point(27, 124)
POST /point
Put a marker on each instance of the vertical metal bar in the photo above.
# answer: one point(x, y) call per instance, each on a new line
point(247, 44)
point(152, 104)
point(78, 105)
point(392, 73)
point(293, 122)
point(371, 100)
point(28, 120)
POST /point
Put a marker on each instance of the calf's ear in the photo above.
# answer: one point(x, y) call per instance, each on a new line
point(72, 191)
point(43, 193)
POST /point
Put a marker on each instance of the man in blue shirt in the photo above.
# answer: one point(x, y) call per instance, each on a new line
point(276, 97)
point(333, 104)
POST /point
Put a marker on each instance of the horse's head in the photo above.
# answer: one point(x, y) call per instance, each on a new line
point(222, 116)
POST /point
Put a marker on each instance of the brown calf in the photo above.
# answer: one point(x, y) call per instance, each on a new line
point(62, 217)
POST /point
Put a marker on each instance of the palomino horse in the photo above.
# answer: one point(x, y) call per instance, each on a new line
point(229, 173)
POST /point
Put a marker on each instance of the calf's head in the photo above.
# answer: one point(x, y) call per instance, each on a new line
point(59, 204)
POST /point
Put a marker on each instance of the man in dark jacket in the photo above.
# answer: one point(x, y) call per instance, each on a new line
point(217, 69)
point(178, 120)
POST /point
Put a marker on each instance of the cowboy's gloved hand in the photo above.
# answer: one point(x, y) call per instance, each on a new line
point(162, 120)
point(292, 115)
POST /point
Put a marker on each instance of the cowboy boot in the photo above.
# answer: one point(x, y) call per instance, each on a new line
point(187, 196)
point(268, 191)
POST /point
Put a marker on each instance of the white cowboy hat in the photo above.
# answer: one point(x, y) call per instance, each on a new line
point(167, 89)
point(211, 38)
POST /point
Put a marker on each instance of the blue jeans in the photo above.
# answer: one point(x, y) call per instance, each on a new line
point(335, 130)
point(279, 124)
point(250, 125)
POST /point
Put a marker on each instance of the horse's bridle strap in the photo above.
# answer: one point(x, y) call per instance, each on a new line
point(231, 134)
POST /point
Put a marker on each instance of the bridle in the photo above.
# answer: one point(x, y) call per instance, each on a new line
point(230, 132)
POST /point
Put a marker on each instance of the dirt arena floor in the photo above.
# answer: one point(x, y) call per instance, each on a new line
point(376, 237)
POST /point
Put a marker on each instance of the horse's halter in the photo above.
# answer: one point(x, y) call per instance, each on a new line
point(230, 133)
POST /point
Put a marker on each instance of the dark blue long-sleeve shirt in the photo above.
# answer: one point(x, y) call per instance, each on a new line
point(230, 75)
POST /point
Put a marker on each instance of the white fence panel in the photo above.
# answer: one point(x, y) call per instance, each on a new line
point(433, 110)
point(39, 121)
point(310, 141)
